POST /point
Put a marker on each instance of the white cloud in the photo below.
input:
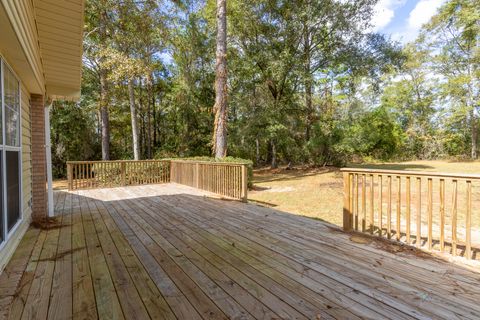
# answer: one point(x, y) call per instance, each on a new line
point(421, 14)
point(384, 12)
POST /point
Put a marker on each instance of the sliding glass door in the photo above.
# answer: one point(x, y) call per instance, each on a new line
point(10, 152)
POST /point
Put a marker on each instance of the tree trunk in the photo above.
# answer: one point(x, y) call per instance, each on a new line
point(474, 134)
point(105, 123)
point(308, 83)
point(149, 116)
point(133, 115)
point(220, 107)
point(274, 164)
point(257, 145)
point(154, 115)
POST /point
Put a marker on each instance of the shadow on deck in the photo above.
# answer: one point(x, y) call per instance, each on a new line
point(167, 251)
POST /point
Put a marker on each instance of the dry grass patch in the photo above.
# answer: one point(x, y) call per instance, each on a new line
point(318, 192)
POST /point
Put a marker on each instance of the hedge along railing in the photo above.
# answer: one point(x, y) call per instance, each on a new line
point(413, 207)
point(108, 174)
point(226, 179)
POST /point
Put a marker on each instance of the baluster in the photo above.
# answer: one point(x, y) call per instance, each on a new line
point(355, 197)
point(364, 203)
point(372, 205)
point(468, 242)
point(347, 201)
point(430, 213)
point(408, 210)
point(380, 205)
point(82, 176)
point(454, 218)
point(75, 167)
point(442, 215)
point(389, 207)
point(419, 212)
point(90, 176)
point(399, 208)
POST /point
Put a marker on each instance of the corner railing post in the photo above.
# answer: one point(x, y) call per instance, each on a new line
point(347, 210)
point(123, 169)
point(70, 176)
point(244, 182)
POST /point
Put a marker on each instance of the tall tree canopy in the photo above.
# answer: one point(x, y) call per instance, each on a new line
point(308, 82)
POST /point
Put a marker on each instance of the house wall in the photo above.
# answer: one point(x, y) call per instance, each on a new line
point(19, 42)
point(26, 154)
point(38, 160)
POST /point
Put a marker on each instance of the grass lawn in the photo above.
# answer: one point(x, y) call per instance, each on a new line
point(318, 193)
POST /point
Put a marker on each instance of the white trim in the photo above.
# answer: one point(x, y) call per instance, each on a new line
point(7, 235)
point(48, 158)
point(2, 150)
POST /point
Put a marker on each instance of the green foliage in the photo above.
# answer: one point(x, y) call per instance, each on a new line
point(72, 136)
point(376, 135)
point(307, 83)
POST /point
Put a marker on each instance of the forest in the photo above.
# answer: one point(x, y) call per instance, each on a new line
point(307, 82)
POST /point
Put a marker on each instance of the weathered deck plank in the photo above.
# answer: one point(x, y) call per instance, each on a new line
point(152, 298)
point(107, 302)
point(361, 277)
point(83, 296)
point(167, 252)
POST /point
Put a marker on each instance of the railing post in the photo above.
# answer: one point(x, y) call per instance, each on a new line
point(244, 183)
point(123, 170)
point(347, 210)
point(69, 176)
point(172, 171)
point(197, 175)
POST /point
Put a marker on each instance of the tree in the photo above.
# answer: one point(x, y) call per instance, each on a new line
point(96, 42)
point(220, 107)
point(453, 38)
point(411, 97)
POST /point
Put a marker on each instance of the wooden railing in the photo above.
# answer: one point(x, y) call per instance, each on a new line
point(226, 179)
point(431, 210)
point(107, 174)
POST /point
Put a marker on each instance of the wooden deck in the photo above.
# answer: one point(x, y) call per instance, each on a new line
point(168, 252)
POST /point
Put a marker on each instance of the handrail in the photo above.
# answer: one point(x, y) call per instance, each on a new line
point(413, 173)
point(394, 203)
point(222, 178)
point(107, 174)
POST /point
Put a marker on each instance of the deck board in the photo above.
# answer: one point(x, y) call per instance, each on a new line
point(359, 277)
point(169, 252)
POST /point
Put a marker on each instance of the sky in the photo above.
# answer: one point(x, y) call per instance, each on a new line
point(403, 19)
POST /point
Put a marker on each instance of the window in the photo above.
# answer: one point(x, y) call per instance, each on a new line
point(10, 152)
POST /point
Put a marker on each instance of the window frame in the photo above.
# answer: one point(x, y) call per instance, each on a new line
point(6, 234)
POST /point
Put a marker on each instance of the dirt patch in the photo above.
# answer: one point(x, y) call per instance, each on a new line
point(60, 184)
point(46, 224)
point(258, 188)
point(333, 184)
point(280, 189)
point(359, 239)
point(383, 244)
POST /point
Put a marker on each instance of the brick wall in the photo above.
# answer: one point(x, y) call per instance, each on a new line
point(39, 170)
